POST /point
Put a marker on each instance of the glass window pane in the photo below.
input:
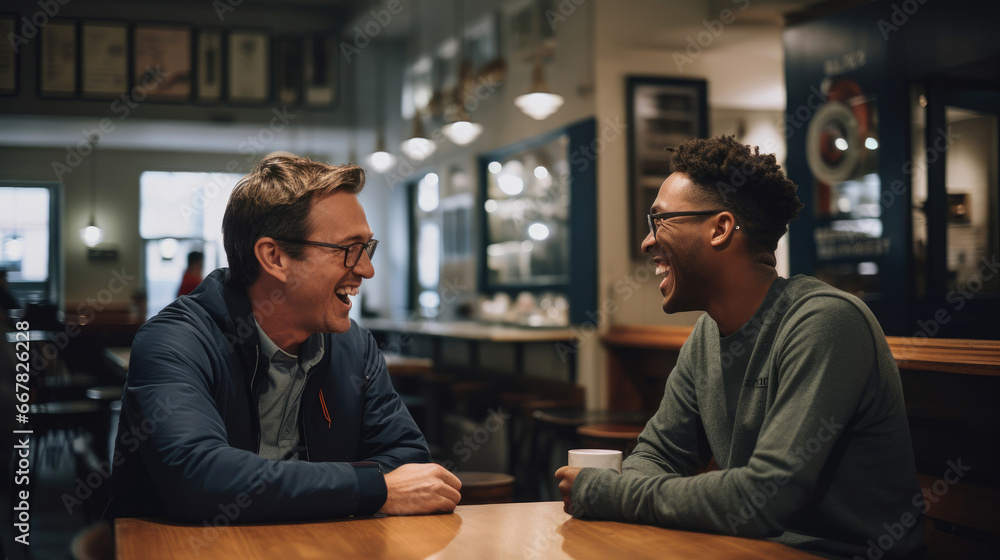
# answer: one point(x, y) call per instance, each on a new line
point(24, 233)
point(971, 184)
point(429, 255)
point(179, 213)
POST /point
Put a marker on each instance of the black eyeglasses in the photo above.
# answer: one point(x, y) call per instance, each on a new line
point(352, 252)
point(652, 218)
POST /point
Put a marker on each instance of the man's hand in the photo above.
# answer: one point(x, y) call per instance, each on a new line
point(418, 488)
point(566, 477)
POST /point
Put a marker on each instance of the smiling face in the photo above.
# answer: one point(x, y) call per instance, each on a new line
point(679, 246)
point(320, 286)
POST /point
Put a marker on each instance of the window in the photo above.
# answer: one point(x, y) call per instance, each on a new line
point(29, 239)
point(179, 213)
point(427, 216)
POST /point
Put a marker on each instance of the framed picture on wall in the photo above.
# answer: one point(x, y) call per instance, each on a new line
point(661, 113)
point(208, 65)
point(162, 61)
point(57, 69)
point(105, 59)
point(8, 56)
point(249, 71)
point(288, 69)
point(320, 57)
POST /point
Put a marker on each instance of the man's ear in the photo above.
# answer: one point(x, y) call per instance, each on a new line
point(723, 230)
point(272, 259)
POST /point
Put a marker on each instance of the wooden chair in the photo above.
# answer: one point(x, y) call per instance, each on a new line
point(622, 437)
point(486, 488)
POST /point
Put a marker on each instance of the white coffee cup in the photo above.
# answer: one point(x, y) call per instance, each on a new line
point(596, 458)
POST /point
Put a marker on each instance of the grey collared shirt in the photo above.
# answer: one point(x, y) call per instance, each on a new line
point(279, 402)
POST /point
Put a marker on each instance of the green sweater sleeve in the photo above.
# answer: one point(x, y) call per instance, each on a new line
point(821, 358)
point(673, 440)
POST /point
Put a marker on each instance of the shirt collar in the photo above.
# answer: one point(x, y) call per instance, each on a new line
point(310, 351)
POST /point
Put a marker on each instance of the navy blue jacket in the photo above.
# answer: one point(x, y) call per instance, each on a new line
point(190, 431)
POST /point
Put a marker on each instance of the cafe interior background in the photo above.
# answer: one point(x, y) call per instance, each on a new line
point(508, 274)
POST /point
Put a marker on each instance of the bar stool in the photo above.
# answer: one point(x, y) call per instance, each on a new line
point(61, 428)
point(486, 488)
point(408, 374)
point(622, 437)
point(106, 396)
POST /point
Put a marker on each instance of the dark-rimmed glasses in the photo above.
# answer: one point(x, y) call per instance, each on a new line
point(352, 252)
point(652, 218)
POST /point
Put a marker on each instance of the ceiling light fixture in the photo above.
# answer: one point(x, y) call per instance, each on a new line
point(381, 159)
point(418, 147)
point(539, 103)
point(91, 235)
point(461, 130)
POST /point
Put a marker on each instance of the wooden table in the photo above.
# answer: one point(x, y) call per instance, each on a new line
point(502, 531)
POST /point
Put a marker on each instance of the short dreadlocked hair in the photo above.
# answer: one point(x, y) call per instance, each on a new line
point(747, 183)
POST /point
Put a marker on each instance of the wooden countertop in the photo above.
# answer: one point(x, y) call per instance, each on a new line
point(508, 531)
point(952, 355)
point(471, 330)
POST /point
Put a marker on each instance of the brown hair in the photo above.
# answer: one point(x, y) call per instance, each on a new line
point(274, 200)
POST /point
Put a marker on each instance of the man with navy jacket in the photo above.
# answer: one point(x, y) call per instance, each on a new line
point(256, 398)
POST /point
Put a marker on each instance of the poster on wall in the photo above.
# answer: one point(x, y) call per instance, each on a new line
point(209, 65)
point(288, 66)
point(661, 113)
point(105, 59)
point(320, 57)
point(162, 62)
point(8, 58)
point(249, 67)
point(57, 61)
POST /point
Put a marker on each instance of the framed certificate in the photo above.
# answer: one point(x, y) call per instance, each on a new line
point(288, 69)
point(249, 72)
point(57, 72)
point(162, 61)
point(320, 58)
point(8, 56)
point(208, 64)
point(105, 59)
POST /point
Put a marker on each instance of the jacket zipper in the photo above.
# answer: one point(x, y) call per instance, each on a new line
point(253, 395)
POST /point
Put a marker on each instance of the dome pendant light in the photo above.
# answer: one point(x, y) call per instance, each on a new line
point(461, 131)
point(91, 235)
point(381, 159)
point(418, 147)
point(539, 103)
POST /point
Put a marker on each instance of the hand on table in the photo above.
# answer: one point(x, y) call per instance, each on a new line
point(417, 488)
point(567, 476)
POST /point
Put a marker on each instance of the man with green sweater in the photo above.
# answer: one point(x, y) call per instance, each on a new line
point(788, 383)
